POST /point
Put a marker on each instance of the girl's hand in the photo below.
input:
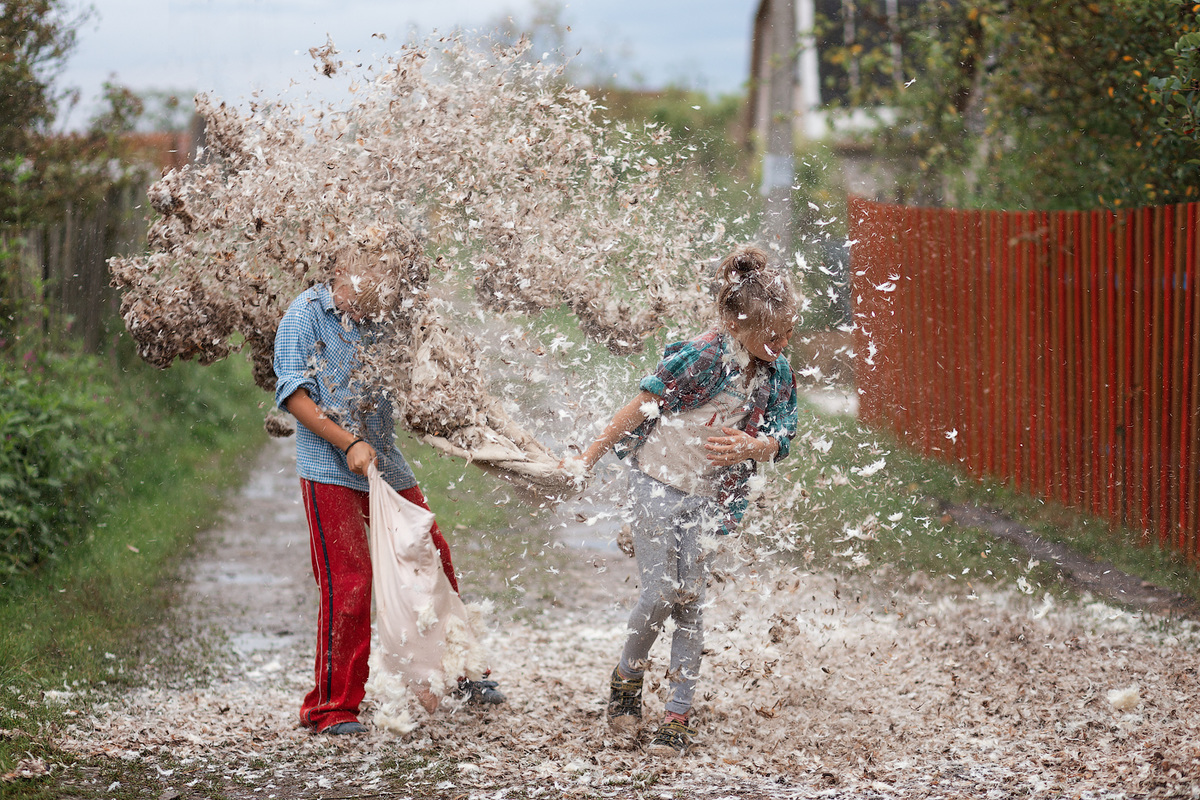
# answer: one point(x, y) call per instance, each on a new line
point(359, 457)
point(575, 465)
point(737, 446)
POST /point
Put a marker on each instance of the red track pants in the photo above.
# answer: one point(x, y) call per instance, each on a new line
point(341, 562)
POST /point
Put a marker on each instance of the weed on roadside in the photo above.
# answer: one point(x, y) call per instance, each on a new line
point(84, 624)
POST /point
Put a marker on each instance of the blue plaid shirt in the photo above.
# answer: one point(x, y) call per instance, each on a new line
point(316, 348)
point(690, 374)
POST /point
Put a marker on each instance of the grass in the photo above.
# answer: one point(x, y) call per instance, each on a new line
point(1091, 536)
point(82, 621)
point(893, 518)
point(499, 545)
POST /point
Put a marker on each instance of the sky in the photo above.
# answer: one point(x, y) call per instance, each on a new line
point(231, 48)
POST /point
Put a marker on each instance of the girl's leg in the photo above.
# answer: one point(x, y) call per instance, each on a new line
point(687, 642)
point(656, 548)
point(341, 562)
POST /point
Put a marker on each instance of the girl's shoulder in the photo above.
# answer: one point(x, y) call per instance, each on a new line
point(707, 341)
point(707, 348)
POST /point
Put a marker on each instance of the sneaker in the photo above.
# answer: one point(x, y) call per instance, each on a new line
point(351, 727)
point(483, 692)
point(673, 738)
point(624, 702)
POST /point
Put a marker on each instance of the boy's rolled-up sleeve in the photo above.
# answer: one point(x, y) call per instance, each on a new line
point(294, 343)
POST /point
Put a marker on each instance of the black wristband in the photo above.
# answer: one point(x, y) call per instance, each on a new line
point(347, 450)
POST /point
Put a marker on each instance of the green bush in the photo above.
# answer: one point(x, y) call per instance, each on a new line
point(61, 436)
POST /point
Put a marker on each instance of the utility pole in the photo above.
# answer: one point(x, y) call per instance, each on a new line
point(779, 159)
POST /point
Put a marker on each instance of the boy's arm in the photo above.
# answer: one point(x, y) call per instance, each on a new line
point(310, 415)
point(634, 413)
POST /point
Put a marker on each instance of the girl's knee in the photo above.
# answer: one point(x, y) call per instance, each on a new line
point(656, 606)
point(689, 614)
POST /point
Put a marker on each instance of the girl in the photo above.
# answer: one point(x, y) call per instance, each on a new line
point(714, 407)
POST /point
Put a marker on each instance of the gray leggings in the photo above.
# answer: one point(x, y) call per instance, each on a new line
point(667, 526)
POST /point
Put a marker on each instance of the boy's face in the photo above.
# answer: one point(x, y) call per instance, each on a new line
point(362, 288)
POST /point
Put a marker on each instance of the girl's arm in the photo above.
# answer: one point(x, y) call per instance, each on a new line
point(772, 442)
point(634, 413)
point(310, 415)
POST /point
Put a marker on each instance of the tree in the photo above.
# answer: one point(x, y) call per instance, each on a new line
point(1042, 103)
point(36, 36)
point(1178, 94)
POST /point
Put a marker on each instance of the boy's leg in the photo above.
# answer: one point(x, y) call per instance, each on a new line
point(341, 562)
point(415, 496)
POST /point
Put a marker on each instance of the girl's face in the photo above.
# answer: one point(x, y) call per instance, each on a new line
point(765, 343)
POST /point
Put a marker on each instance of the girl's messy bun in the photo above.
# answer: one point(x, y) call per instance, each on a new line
point(750, 291)
point(744, 261)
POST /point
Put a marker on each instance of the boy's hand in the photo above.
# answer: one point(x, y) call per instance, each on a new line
point(359, 457)
point(736, 446)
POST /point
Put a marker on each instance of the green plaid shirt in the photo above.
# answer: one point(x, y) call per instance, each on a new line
point(690, 374)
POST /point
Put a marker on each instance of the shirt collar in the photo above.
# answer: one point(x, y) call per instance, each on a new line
point(325, 296)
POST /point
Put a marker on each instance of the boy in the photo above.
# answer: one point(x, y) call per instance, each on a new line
point(316, 352)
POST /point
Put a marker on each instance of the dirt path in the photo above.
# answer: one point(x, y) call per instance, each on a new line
point(811, 688)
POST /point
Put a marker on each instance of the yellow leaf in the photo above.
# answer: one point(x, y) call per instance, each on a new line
point(1110, 91)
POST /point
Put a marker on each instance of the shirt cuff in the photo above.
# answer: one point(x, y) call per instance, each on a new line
point(785, 446)
point(653, 384)
point(286, 387)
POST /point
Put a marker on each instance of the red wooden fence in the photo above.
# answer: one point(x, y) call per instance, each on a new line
point(1056, 351)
